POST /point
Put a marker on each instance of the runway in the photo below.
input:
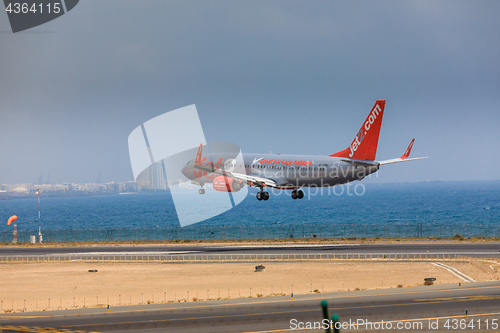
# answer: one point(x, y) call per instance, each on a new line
point(439, 305)
point(489, 250)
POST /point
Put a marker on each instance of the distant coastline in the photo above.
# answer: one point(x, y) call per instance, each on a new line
point(14, 195)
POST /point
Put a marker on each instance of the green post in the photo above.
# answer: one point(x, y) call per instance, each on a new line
point(324, 307)
point(335, 320)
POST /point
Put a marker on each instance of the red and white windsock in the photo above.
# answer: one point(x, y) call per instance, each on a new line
point(11, 219)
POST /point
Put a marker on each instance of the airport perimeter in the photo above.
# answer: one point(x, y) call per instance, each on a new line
point(110, 257)
point(259, 232)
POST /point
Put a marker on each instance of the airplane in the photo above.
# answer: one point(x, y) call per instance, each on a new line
point(292, 172)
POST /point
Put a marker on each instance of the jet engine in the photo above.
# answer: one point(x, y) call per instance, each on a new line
point(227, 184)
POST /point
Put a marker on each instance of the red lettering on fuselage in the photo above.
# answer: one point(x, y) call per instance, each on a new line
point(282, 162)
point(199, 173)
point(219, 164)
point(285, 162)
point(302, 163)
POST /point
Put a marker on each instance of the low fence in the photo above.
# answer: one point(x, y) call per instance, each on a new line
point(258, 232)
point(238, 257)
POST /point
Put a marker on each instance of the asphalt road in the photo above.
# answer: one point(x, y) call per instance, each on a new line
point(431, 305)
point(490, 250)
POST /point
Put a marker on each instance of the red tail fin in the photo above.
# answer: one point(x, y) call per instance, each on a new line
point(364, 145)
point(197, 159)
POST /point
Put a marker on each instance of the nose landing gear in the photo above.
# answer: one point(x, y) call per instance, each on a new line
point(201, 190)
point(297, 194)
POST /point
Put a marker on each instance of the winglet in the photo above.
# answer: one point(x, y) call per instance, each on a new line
point(408, 150)
point(197, 160)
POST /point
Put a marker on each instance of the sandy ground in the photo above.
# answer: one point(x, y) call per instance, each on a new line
point(478, 274)
point(31, 285)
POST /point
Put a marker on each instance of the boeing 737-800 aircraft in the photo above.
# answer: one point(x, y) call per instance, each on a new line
point(291, 172)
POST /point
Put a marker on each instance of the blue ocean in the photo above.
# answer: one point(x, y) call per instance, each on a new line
point(460, 202)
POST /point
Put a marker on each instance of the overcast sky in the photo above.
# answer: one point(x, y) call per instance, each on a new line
point(285, 76)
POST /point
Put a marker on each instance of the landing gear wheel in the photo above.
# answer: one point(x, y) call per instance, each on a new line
point(265, 196)
point(294, 195)
point(201, 191)
point(259, 196)
point(300, 194)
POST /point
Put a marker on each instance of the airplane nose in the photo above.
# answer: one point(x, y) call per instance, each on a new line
point(186, 169)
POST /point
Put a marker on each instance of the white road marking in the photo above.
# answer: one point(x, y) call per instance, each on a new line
point(454, 271)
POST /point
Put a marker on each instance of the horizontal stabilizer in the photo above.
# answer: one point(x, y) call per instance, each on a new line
point(405, 156)
point(397, 160)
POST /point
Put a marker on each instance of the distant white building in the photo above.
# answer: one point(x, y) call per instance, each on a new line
point(130, 186)
point(46, 188)
point(112, 187)
point(20, 189)
point(6, 187)
point(91, 187)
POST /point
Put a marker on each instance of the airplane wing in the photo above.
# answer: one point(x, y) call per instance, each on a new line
point(250, 180)
point(403, 158)
point(362, 163)
point(254, 180)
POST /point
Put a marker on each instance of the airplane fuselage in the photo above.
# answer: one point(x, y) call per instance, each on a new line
point(288, 171)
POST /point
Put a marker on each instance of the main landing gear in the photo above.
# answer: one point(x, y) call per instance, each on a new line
point(297, 194)
point(262, 195)
point(201, 190)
